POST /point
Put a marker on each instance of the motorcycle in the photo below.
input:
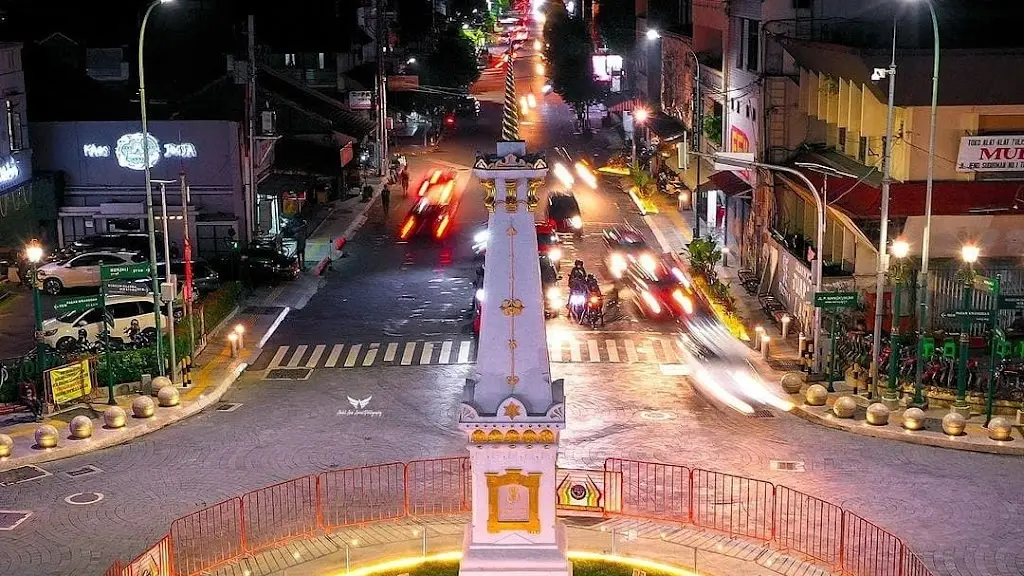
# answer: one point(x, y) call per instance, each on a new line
point(577, 305)
point(594, 312)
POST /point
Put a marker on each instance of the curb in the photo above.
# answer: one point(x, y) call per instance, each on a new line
point(320, 267)
point(922, 438)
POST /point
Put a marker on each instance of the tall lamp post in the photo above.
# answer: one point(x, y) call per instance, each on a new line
point(923, 319)
point(149, 186)
point(34, 253)
point(653, 34)
point(897, 276)
point(640, 116)
point(969, 253)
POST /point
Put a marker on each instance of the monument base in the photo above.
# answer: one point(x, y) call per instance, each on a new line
point(515, 555)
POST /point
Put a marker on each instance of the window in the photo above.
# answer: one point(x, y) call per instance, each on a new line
point(85, 260)
point(124, 309)
point(146, 306)
point(842, 139)
point(321, 60)
point(289, 60)
point(802, 4)
point(92, 317)
point(749, 45)
point(14, 130)
point(862, 150)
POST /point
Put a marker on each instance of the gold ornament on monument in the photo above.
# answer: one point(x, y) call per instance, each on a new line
point(512, 307)
point(512, 380)
point(512, 344)
point(488, 194)
point(511, 197)
point(531, 195)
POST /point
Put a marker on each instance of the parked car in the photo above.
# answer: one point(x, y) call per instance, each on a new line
point(82, 271)
point(81, 330)
point(112, 242)
point(264, 265)
point(204, 278)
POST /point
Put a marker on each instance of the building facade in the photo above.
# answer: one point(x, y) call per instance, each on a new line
point(102, 165)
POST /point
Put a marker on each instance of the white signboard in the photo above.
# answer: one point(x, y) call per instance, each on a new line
point(991, 154)
point(129, 151)
point(360, 100)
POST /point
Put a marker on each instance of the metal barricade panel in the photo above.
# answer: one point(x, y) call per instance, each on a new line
point(913, 565)
point(438, 486)
point(808, 525)
point(280, 512)
point(869, 550)
point(208, 537)
point(732, 504)
point(357, 495)
point(649, 489)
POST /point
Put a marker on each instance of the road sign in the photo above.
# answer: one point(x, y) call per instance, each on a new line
point(972, 315)
point(1011, 302)
point(835, 299)
point(77, 303)
point(124, 271)
point(127, 288)
point(984, 283)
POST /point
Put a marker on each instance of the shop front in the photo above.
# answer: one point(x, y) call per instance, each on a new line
point(195, 168)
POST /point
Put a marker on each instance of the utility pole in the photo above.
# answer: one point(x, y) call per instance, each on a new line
point(251, 201)
point(381, 86)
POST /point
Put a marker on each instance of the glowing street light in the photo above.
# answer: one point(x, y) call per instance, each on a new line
point(897, 274)
point(653, 34)
point(539, 69)
point(531, 100)
point(34, 253)
point(641, 115)
point(536, 45)
point(411, 61)
point(970, 253)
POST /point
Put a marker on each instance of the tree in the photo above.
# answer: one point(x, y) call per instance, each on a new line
point(615, 20)
point(414, 20)
point(569, 55)
point(451, 61)
point(462, 9)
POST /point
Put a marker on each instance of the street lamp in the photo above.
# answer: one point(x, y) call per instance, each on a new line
point(411, 61)
point(149, 186)
point(697, 126)
point(922, 278)
point(640, 116)
point(897, 276)
point(969, 253)
point(34, 253)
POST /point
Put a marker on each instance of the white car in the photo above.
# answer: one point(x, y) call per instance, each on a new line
point(132, 315)
point(82, 271)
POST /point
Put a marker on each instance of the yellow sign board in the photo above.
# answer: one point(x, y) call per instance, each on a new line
point(70, 382)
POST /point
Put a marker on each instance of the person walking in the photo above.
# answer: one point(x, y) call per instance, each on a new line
point(404, 177)
point(300, 247)
point(385, 200)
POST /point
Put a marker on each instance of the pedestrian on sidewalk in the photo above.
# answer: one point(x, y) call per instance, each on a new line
point(300, 247)
point(404, 177)
point(385, 200)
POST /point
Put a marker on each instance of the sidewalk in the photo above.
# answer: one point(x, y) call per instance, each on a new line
point(214, 369)
point(673, 230)
point(441, 538)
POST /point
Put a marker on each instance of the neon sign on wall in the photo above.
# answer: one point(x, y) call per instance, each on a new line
point(9, 170)
point(130, 152)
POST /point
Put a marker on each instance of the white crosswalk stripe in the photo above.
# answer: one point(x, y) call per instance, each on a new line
point(654, 349)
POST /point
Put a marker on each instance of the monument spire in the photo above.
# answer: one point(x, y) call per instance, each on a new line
point(510, 112)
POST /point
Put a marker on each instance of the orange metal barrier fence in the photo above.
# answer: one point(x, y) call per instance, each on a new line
point(791, 521)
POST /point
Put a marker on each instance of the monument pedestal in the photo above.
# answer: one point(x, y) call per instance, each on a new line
point(515, 555)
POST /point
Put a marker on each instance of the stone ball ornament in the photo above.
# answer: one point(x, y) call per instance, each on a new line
point(913, 418)
point(844, 407)
point(159, 383)
point(792, 382)
point(878, 414)
point(46, 436)
point(6, 445)
point(115, 417)
point(80, 427)
point(168, 396)
point(143, 407)
point(954, 424)
point(816, 395)
point(999, 429)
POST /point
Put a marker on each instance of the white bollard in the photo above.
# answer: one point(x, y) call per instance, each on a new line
point(786, 319)
point(725, 256)
point(233, 340)
point(765, 340)
point(802, 343)
point(240, 330)
point(758, 334)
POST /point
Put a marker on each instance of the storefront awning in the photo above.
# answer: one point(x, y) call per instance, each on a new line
point(292, 155)
point(277, 184)
point(667, 128)
point(728, 183)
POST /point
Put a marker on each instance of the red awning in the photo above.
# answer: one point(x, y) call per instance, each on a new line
point(624, 106)
point(727, 182)
point(862, 201)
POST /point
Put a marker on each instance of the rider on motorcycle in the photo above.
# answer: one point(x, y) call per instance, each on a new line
point(577, 275)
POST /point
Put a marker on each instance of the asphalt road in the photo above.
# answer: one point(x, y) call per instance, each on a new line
point(960, 510)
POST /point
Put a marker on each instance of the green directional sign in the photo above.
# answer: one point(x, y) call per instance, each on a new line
point(835, 299)
point(77, 303)
point(1011, 302)
point(984, 283)
point(127, 288)
point(124, 271)
point(971, 315)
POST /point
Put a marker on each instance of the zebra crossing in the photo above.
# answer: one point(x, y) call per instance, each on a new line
point(654, 349)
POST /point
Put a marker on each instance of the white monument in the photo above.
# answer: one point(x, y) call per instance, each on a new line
point(511, 410)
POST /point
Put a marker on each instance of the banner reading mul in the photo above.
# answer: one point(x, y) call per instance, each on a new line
point(1003, 153)
point(70, 382)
